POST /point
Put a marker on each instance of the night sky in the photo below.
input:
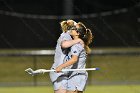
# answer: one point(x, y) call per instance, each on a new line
point(56, 7)
point(35, 23)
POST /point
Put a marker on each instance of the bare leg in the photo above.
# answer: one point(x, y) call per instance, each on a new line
point(71, 91)
point(60, 91)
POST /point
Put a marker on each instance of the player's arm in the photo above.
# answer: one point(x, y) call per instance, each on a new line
point(75, 51)
point(73, 60)
point(69, 43)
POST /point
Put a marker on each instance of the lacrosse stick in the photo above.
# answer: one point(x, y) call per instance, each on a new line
point(42, 71)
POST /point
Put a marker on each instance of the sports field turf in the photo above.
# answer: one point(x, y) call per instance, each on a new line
point(122, 69)
point(89, 89)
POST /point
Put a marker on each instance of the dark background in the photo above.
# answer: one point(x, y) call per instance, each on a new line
point(35, 23)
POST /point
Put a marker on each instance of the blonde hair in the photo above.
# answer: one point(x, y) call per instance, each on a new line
point(66, 25)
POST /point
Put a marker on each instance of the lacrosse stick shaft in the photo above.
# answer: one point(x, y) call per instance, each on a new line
point(39, 71)
point(64, 70)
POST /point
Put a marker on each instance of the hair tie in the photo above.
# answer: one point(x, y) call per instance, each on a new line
point(84, 36)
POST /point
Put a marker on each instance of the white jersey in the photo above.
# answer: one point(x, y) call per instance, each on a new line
point(79, 51)
point(60, 55)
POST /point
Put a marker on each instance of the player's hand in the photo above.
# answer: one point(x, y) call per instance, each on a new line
point(58, 69)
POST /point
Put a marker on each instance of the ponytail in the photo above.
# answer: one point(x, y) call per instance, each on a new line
point(86, 35)
point(88, 39)
point(63, 25)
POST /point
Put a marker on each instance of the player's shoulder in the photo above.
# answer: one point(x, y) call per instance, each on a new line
point(64, 33)
point(78, 46)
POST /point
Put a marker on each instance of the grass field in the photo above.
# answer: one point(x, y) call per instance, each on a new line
point(120, 70)
point(112, 67)
point(89, 89)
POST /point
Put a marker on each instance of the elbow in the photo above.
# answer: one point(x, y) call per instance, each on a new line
point(63, 45)
point(75, 59)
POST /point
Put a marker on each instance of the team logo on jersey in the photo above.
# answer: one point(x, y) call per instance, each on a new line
point(75, 52)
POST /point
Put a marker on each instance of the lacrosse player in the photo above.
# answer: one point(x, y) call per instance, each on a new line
point(62, 49)
point(76, 80)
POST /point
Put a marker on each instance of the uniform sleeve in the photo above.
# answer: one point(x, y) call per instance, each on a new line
point(76, 49)
point(65, 36)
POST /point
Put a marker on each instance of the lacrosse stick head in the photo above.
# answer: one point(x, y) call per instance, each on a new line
point(30, 71)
